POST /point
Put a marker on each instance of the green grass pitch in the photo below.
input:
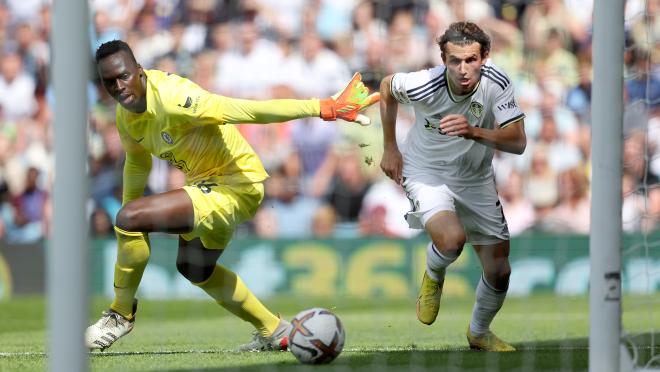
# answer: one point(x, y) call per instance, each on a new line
point(550, 333)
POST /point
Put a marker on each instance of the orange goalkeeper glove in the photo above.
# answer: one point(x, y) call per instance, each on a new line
point(347, 103)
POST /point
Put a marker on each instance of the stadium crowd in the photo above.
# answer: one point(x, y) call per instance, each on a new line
point(325, 178)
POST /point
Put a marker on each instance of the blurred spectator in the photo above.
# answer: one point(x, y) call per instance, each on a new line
point(181, 54)
point(635, 153)
point(541, 16)
point(324, 221)
point(283, 17)
point(247, 71)
point(104, 30)
point(561, 65)
point(643, 86)
point(572, 214)
point(644, 25)
point(519, 211)
point(549, 104)
point(314, 71)
point(34, 51)
point(152, 42)
point(334, 18)
point(121, 13)
point(383, 211)
point(652, 216)
point(348, 186)
point(562, 154)
point(506, 46)
point(17, 88)
point(293, 212)
point(6, 211)
point(367, 29)
point(578, 98)
point(101, 225)
point(31, 212)
point(541, 183)
point(25, 10)
point(407, 46)
point(632, 209)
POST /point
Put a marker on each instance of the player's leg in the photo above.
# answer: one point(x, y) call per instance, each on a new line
point(491, 292)
point(168, 212)
point(447, 240)
point(132, 255)
point(223, 208)
point(433, 210)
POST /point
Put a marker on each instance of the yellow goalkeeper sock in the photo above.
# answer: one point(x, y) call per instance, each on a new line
point(232, 294)
point(132, 256)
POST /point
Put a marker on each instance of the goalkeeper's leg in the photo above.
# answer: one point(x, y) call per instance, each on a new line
point(198, 265)
point(132, 256)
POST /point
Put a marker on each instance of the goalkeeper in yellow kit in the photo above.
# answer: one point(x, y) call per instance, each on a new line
point(176, 120)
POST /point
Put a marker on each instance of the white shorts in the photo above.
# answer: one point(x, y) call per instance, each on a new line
point(477, 207)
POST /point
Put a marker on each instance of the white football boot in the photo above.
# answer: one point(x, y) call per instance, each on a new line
point(102, 334)
point(278, 341)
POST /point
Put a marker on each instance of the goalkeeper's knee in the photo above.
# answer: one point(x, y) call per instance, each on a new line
point(132, 248)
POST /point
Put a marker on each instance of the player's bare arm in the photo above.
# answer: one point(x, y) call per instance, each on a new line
point(392, 162)
point(510, 138)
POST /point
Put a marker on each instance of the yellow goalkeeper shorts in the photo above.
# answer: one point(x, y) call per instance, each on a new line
point(219, 208)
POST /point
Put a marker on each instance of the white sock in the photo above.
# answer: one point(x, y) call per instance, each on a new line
point(488, 303)
point(436, 262)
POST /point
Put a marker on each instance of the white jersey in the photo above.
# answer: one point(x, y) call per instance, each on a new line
point(448, 159)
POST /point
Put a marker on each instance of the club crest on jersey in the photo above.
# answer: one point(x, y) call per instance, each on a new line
point(476, 109)
point(167, 138)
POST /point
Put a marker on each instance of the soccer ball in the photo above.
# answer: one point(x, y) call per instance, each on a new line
point(317, 336)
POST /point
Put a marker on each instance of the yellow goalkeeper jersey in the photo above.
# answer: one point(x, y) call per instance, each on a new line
point(185, 125)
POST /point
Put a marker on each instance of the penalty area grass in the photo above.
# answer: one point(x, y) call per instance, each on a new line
point(550, 333)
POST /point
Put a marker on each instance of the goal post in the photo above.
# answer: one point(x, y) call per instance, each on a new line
point(607, 163)
point(67, 255)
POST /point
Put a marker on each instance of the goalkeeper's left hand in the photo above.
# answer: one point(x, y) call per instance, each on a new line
point(347, 103)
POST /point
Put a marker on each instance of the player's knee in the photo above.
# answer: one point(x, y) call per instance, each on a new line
point(452, 243)
point(194, 273)
point(500, 277)
point(128, 218)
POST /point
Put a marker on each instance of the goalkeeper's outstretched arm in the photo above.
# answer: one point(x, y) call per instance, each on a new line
point(345, 105)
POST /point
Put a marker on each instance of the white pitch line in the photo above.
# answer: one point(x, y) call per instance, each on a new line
point(349, 350)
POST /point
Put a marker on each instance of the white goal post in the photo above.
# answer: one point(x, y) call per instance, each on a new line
point(605, 243)
point(67, 255)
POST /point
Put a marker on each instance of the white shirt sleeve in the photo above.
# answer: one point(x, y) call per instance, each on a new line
point(506, 108)
point(408, 88)
point(399, 89)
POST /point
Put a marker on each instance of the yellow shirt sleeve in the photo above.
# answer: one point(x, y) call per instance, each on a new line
point(193, 104)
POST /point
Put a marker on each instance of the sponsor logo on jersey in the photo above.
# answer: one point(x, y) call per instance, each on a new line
point(187, 104)
point(507, 106)
point(476, 109)
point(167, 138)
point(433, 128)
point(176, 163)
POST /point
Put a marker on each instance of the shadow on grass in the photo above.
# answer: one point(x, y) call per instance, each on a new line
point(564, 355)
point(551, 355)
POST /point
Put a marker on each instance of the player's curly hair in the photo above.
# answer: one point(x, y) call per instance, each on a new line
point(112, 47)
point(464, 33)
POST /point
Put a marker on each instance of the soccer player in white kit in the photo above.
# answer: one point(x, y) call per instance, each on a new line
point(464, 111)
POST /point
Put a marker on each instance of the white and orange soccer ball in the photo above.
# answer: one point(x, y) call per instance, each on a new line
point(317, 336)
